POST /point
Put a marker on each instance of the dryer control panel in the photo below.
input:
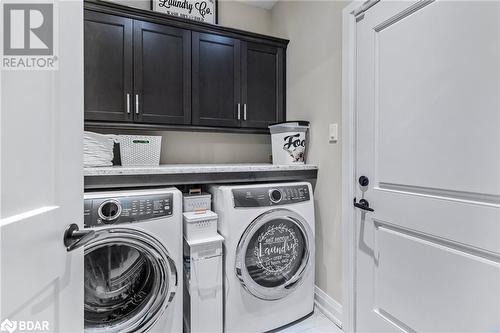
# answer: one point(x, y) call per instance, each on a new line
point(118, 210)
point(270, 196)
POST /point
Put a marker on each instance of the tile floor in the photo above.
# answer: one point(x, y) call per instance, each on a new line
point(316, 323)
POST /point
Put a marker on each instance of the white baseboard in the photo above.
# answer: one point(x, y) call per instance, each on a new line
point(328, 306)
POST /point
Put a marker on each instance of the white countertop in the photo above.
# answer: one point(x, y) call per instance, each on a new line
point(193, 168)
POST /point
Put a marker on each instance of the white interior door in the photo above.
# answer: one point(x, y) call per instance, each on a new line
point(42, 187)
point(428, 140)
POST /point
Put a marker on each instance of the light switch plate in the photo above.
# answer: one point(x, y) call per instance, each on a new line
point(333, 133)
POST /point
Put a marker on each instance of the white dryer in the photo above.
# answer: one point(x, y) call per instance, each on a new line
point(133, 261)
point(268, 232)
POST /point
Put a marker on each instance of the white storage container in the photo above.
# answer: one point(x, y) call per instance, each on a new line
point(198, 225)
point(139, 150)
point(193, 202)
point(203, 290)
point(289, 142)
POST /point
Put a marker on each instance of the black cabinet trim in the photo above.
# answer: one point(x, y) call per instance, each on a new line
point(97, 125)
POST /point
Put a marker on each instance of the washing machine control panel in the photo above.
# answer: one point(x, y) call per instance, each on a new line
point(118, 210)
point(270, 196)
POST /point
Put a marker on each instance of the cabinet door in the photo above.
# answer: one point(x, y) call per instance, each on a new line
point(262, 85)
point(107, 67)
point(216, 80)
point(162, 74)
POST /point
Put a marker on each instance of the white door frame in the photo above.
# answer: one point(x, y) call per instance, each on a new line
point(348, 159)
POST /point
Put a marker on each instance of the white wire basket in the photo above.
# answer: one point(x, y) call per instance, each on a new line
point(140, 150)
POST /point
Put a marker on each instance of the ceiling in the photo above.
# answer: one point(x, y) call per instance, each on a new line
point(266, 4)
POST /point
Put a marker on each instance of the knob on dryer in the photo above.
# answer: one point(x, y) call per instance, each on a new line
point(109, 211)
point(275, 195)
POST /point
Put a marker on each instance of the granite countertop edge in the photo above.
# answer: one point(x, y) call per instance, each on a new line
point(193, 168)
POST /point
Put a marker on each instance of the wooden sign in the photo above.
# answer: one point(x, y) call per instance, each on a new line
point(197, 10)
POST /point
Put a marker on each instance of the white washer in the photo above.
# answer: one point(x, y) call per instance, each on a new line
point(133, 261)
point(268, 232)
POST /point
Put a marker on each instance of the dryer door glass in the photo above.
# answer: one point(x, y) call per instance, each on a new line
point(118, 283)
point(128, 281)
point(273, 254)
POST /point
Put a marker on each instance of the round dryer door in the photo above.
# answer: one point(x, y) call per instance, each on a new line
point(129, 280)
point(274, 253)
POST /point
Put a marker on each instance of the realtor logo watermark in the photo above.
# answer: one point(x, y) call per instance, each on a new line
point(24, 326)
point(29, 36)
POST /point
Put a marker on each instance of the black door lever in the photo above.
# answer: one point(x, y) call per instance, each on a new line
point(363, 204)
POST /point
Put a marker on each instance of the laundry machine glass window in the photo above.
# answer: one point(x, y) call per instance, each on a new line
point(272, 256)
point(118, 282)
point(275, 252)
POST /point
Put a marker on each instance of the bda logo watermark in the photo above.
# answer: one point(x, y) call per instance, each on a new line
point(23, 326)
point(8, 325)
point(29, 32)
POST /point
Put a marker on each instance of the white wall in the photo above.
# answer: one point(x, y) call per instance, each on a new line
point(196, 147)
point(314, 94)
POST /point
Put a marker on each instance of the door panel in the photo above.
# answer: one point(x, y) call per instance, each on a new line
point(442, 92)
point(162, 79)
point(412, 262)
point(262, 85)
point(216, 80)
point(428, 138)
point(108, 67)
point(42, 185)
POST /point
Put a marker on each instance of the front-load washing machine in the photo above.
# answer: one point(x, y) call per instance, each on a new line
point(268, 232)
point(133, 261)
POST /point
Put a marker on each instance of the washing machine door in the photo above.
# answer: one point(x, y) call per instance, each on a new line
point(130, 280)
point(274, 254)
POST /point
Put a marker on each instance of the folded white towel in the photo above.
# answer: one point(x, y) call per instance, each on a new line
point(98, 149)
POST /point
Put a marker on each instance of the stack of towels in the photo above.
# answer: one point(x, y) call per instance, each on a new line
point(97, 149)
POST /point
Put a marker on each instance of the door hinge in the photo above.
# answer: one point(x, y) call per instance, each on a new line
point(360, 11)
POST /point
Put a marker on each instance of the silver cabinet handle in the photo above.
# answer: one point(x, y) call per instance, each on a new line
point(128, 103)
point(245, 111)
point(136, 103)
point(239, 111)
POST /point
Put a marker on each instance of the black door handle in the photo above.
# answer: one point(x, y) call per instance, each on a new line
point(363, 181)
point(75, 238)
point(363, 204)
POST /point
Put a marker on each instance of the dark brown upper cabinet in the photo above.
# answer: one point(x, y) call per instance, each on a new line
point(107, 67)
point(159, 92)
point(162, 74)
point(216, 80)
point(148, 70)
point(262, 85)
point(236, 83)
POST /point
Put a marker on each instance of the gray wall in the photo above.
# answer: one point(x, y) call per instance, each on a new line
point(314, 93)
point(241, 16)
